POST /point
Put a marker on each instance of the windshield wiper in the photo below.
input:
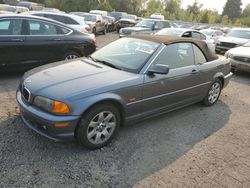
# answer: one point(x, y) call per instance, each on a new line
point(104, 62)
point(108, 64)
point(93, 59)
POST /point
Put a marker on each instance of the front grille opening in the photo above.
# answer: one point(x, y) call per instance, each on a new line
point(26, 94)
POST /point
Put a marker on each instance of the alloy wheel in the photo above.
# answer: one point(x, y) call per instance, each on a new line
point(214, 92)
point(101, 127)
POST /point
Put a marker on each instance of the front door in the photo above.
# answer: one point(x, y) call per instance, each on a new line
point(11, 43)
point(43, 43)
point(179, 86)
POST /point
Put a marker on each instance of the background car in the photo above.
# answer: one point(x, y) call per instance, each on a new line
point(153, 74)
point(28, 41)
point(76, 22)
point(95, 21)
point(181, 32)
point(236, 37)
point(31, 5)
point(13, 9)
point(240, 57)
point(128, 20)
point(100, 12)
point(110, 23)
point(212, 33)
point(146, 26)
point(117, 15)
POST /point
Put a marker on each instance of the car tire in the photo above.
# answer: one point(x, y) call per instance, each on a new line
point(94, 30)
point(71, 55)
point(213, 93)
point(104, 31)
point(98, 126)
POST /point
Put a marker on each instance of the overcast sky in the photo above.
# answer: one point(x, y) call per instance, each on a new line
point(212, 4)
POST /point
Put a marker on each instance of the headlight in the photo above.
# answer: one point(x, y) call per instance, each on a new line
point(218, 43)
point(51, 105)
point(229, 55)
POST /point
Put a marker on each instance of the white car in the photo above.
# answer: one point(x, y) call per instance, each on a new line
point(235, 38)
point(182, 32)
point(76, 22)
point(240, 57)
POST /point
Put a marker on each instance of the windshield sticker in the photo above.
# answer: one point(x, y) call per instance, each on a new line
point(144, 49)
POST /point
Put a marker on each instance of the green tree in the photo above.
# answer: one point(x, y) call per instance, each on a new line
point(173, 7)
point(225, 20)
point(194, 9)
point(205, 17)
point(246, 11)
point(232, 9)
point(152, 7)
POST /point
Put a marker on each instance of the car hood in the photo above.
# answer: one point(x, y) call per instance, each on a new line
point(137, 29)
point(233, 40)
point(90, 23)
point(128, 20)
point(79, 78)
point(240, 51)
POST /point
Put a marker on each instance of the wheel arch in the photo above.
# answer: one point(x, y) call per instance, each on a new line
point(115, 101)
point(220, 76)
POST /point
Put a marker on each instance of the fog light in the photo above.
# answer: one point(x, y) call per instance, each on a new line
point(61, 125)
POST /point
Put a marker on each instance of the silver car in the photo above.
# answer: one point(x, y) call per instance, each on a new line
point(235, 38)
point(240, 58)
point(190, 33)
point(128, 80)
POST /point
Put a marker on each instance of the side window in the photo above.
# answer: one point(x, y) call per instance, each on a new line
point(166, 24)
point(158, 25)
point(203, 37)
point(64, 31)
point(199, 56)
point(196, 35)
point(176, 55)
point(11, 27)
point(41, 28)
point(70, 21)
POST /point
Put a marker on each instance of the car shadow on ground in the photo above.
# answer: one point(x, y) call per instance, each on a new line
point(139, 150)
point(9, 81)
point(241, 77)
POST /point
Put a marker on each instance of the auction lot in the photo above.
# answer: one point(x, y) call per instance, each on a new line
point(28, 160)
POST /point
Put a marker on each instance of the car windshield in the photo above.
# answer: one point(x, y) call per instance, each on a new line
point(146, 23)
point(132, 17)
point(171, 32)
point(9, 9)
point(127, 54)
point(245, 34)
point(89, 18)
point(247, 44)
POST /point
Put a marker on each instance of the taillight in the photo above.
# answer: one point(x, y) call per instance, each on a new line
point(93, 41)
point(87, 28)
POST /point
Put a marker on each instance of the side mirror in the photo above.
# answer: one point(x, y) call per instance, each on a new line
point(214, 35)
point(158, 69)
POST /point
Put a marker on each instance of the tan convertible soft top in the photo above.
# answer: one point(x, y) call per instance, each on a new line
point(211, 56)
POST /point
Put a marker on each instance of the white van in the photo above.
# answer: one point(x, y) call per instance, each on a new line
point(101, 12)
point(157, 16)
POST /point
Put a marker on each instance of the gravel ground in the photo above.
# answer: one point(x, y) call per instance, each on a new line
point(29, 160)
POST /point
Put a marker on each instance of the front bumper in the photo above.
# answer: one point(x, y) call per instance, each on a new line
point(44, 123)
point(239, 65)
point(227, 79)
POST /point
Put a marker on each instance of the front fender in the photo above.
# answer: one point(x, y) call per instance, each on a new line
point(82, 105)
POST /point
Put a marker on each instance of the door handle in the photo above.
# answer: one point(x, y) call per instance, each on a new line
point(195, 71)
point(57, 39)
point(17, 40)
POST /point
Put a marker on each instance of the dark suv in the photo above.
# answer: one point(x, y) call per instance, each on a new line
point(146, 26)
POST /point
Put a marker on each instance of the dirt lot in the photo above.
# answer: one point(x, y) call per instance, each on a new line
point(28, 160)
